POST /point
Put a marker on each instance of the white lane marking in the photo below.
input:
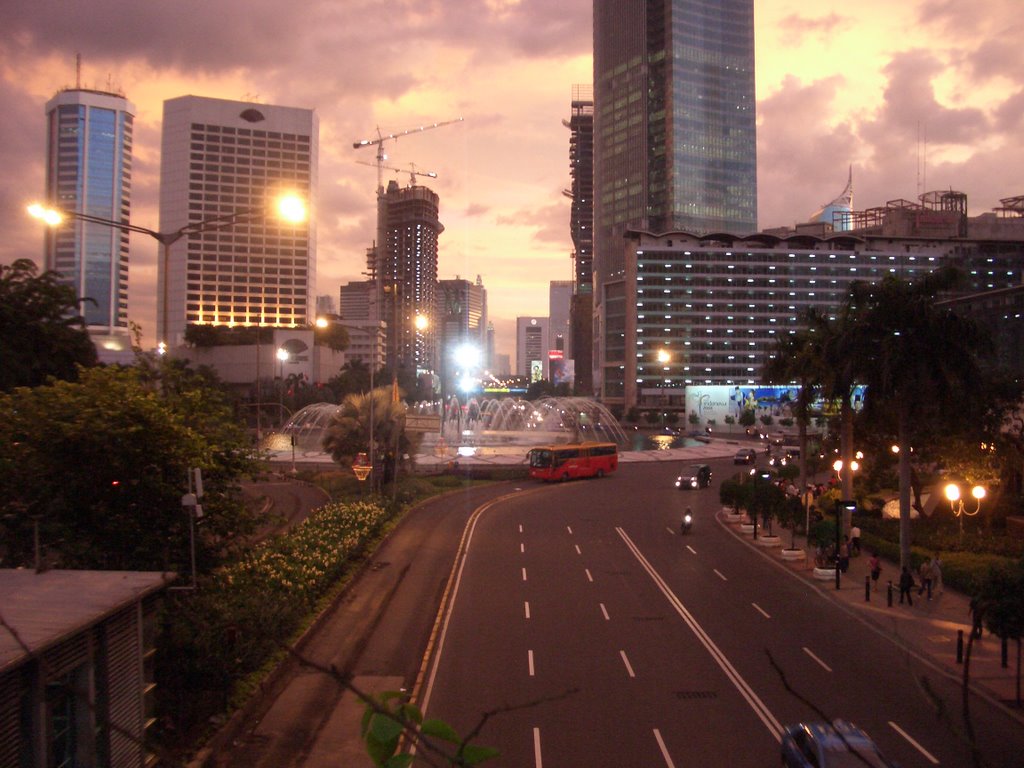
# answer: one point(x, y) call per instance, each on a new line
point(520, 527)
point(663, 748)
point(720, 575)
point(569, 529)
point(824, 666)
point(670, 530)
point(536, 748)
point(529, 658)
point(524, 574)
point(589, 577)
point(578, 550)
point(761, 610)
point(522, 546)
point(527, 606)
point(604, 612)
point(625, 661)
point(760, 709)
point(928, 755)
point(694, 551)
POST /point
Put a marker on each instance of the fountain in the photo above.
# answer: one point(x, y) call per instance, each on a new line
point(515, 422)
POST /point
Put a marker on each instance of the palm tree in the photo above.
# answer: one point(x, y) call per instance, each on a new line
point(348, 433)
point(914, 358)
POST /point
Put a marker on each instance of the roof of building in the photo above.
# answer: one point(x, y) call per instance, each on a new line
point(39, 610)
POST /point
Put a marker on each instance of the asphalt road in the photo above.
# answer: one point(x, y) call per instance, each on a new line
point(583, 629)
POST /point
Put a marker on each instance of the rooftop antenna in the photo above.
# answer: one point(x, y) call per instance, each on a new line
point(78, 71)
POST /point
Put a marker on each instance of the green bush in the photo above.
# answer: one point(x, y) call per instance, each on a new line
point(242, 613)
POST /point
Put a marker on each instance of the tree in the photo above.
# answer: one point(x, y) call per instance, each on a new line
point(354, 377)
point(915, 358)
point(42, 332)
point(100, 466)
point(348, 433)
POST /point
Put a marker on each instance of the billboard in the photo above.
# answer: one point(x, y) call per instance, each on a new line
point(715, 402)
point(563, 372)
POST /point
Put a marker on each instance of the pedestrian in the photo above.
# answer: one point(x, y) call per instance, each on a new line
point(876, 570)
point(925, 572)
point(973, 610)
point(855, 539)
point(844, 554)
point(937, 573)
point(906, 584)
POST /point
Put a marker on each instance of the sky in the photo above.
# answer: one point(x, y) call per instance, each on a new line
point(914, 95)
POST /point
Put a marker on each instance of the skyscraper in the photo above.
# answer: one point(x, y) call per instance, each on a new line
point(408, 274)
point(674, 139)
point(462, 319)
point(88, 171)
point(219, 158)
point(581, 229)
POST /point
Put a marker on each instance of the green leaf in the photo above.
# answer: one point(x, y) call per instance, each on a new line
point(473, 755)
point(440, 730)
point(384, 728)
point(399, 761)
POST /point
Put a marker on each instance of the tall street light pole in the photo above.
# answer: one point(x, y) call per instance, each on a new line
point(289, 207)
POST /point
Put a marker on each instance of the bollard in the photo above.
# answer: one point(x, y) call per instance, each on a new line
point(959, 646)
point(1003, 653)
point(888, 594)
point(867, 589)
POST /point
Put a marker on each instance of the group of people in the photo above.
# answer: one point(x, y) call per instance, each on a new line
point(930, 575)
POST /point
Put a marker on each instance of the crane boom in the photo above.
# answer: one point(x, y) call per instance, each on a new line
point(381, 138)
point(411, 170)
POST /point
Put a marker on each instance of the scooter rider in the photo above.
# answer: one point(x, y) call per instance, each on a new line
point(687, 520)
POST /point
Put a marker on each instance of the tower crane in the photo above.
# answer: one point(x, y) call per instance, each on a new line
point(381, 138)
point(413, 173)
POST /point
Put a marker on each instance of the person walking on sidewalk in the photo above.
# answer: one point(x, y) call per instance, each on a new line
point(937, 573)
point(926, 578)
point(906, 584)
point(876, 570)
point(855, 540)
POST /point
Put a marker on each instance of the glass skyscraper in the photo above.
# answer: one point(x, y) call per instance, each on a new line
point(674, 139)
point(88, 171)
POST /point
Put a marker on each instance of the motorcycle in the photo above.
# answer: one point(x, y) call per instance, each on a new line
point(687, 523)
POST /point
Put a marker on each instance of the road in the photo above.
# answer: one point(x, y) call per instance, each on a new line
point(594, 634)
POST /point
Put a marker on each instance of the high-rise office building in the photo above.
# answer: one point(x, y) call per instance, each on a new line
point(581, 230)
point(532, 347)
point(462, 319)
point(88, 171)
point(220, 158)
point(674, 139)
point(407, 271)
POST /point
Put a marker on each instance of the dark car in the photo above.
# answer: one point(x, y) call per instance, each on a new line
point(697, 476)
point(839, 744)
point(745, 456)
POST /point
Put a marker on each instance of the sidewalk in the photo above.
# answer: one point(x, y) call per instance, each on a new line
point(929, 628)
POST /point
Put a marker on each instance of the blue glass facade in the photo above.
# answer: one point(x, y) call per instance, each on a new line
point(89, 171)
point(674, 140)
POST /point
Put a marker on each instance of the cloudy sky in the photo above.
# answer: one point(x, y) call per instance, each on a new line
point(915, 95)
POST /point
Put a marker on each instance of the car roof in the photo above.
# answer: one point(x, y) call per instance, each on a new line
point(837, 735)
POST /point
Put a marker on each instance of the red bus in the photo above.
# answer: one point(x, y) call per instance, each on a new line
point(571, 460)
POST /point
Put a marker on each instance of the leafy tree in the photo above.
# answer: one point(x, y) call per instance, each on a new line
point(748, 418)
point(734, 493)
point(100, 467)
point(42, 333)
point(538, 389)
point(915, 357)
point(354, 377)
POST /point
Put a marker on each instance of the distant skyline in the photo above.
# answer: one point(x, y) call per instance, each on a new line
point(877, 85)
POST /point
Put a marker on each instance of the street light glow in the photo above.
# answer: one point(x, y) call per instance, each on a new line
point(50, 216)
point(291, 208)
point(421, 322)
point(282, 354)
point(467, 355)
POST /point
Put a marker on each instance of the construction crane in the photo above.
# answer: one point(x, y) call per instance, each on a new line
point(381, 138)
point(413, 173)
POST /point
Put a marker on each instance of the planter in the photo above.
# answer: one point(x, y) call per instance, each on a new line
point(734, 517)
point(769, 541)
point(793, 554)
point(825, 574)
point(747, 528)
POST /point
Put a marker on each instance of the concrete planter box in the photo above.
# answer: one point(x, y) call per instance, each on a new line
point(747, 528)
point(769, 541)
point(793, 554)
point(735, 517)
point(825, 574)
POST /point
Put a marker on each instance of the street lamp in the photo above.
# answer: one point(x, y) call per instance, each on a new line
point(283, 356)
point(956, 503)
point(288, 207)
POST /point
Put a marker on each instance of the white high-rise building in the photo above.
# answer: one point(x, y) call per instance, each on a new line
point(218, 159)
